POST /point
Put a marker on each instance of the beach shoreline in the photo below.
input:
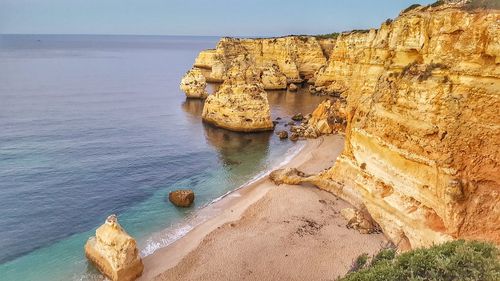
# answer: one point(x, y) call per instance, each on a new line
point(315, 156)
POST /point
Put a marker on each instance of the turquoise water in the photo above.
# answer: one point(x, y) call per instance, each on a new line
point(94, 125)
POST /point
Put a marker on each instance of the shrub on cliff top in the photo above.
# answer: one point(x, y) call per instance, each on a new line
point(411, 8)
point(456, 260)
point(327, 36)
point(482, 4)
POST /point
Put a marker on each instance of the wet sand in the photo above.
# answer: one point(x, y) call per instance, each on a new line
point(269, 232)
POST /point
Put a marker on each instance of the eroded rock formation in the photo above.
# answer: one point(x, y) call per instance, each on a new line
point(194, 84)
point(296, 57)
point(240, 104)
point(423, 134)
point(421, 115)
point(114, 252)
point(182, 197)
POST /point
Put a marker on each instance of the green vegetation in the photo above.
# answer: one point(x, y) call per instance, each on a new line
point(456, 260)
point(411, 8)
point(437, 3)
point(327, 36)
point(359, 263)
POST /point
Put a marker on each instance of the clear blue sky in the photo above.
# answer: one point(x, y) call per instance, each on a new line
point(195, 17)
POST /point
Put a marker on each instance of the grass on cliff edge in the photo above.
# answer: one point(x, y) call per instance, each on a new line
point(456, 260)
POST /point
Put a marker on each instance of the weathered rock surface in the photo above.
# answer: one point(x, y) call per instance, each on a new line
point(298, 117)
point(421, 117)
point(360, 221)
point(329, 117)
point(240, 104)
point(282, 135)
point(272, 78)
point(292, 87)
point(114, 252)
point(182, 197)
point(296, 57)
point(194, 84)
point(287, 176)
point(423, 129)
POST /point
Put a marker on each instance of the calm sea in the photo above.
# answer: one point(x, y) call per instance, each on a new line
point(95, 125)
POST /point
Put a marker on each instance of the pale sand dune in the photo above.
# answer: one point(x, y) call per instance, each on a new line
point(268, 232)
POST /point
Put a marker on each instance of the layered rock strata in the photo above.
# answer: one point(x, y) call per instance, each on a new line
point(296, 57)
point(114, 252)
point(240, 104)
point(421, 116)
point(423, 125)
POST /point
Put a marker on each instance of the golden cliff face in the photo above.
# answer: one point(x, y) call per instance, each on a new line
point(296, 57)
point(422, 148)
point(240, 103)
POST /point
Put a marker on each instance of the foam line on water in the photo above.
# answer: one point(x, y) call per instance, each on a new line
point(173, 233)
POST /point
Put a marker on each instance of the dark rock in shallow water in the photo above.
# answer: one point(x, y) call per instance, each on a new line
point(181, 197)
point(282, 135)
point(298, 117)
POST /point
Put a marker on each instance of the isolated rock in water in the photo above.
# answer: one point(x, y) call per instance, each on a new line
point(292, 87)
point(114, 252)
point(182, 197)
point(194, 84)
point(243, 108)
point(240, 104)
point(273, 78)
point(297, 117)
point(359, 221)
point(283, 135)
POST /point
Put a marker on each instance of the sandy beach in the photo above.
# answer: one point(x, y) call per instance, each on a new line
point(269, 232)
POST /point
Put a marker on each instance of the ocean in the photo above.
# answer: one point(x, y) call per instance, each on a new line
point(92, 125)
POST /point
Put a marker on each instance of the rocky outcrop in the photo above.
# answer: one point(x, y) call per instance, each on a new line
point(360, 221)
point(240, 104)
point(194, 84)
point(272, 78)
point(114, 252)
point(292, 87)
point(423, 129)
point(182, 197)
point(296, 57)
point(329, 117)
point(419, 101)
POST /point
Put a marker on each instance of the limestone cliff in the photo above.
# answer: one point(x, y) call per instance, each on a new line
point(240, 103)
point(297, 57)
point(422, 115)
point(114, 252)
point(423, 134)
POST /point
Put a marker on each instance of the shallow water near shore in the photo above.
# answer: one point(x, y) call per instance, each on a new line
point(94, 125)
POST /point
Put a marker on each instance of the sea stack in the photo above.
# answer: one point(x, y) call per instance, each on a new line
point(241, 103)
point(114, 252)
point(194, 84)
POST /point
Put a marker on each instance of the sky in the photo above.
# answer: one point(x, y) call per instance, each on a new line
point(195, 17)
